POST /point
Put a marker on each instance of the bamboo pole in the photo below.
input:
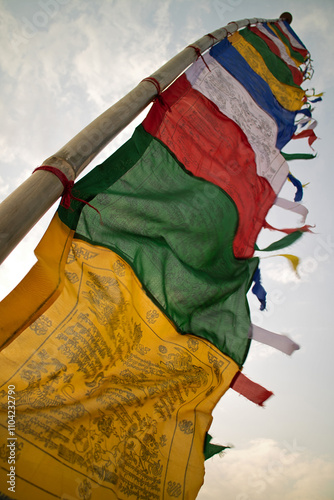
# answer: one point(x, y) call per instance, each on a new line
point(21, 210)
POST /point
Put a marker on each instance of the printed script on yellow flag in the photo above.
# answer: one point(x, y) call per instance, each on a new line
point(111, 401)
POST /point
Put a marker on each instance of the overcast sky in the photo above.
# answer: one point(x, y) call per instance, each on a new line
point(62, 63)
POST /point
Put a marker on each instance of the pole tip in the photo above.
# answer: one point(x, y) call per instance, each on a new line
point(286, 16)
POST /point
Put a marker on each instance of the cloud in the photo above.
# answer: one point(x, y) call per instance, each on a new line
point(59, 75)
point(266, 469)
point(258, 350)
point(4, 188)
point(281, 271)
point(315, 28)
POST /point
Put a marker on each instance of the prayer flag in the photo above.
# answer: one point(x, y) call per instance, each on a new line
point(134, 321)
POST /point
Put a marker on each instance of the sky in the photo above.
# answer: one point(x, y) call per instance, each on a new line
point(64, 62)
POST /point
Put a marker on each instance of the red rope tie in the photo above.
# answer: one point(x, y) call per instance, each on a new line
point(198, 53)
point(159, 96)
point(233, 22)
point(67, 195)
point(213, 38)
point(155, 83)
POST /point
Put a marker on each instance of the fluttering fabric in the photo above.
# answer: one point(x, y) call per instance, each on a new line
point(290, 97)
point(218, 85)
point(274, 63)
point(278, 48)
point(193, 131)
point(280, 342)
point(284, 32)
point(225, 53)
point(127, 332)
point(111, 399)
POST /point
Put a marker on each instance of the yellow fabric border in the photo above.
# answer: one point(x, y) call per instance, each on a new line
point(111, 401)
point(40, 287)
point(289, 97)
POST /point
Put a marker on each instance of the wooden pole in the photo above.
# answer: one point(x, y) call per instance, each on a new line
point(21, 210)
